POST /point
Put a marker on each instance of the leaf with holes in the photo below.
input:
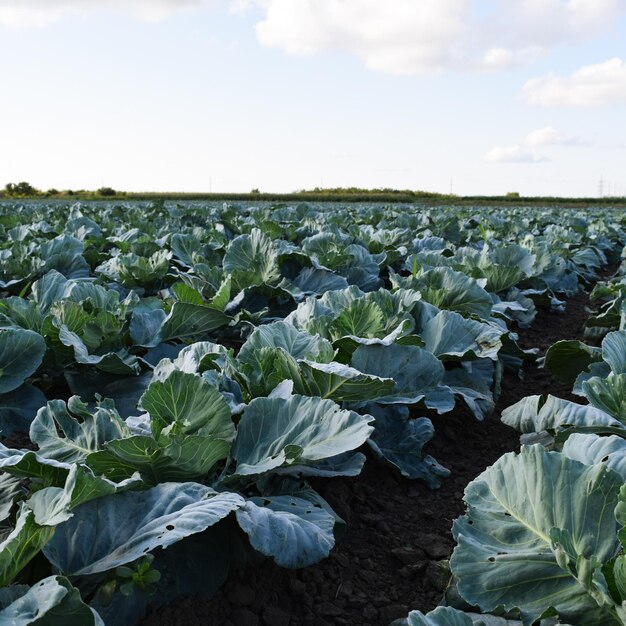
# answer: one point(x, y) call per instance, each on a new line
point(118, 529)
point(293, 531)
point(537, 530)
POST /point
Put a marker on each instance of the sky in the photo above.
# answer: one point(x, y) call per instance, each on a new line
point(462, 96)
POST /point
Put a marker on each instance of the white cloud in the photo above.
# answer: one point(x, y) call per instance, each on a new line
point(550, 136)
point(514, 154)
point(527, 152)
point(590, 86)
point(398, 36)
point(416, 37)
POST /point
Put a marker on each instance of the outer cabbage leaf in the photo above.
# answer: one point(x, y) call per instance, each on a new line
point(340, 382)
point(608, 394)
point(62, 437)
point(22, 544)
point(115, 530)
point(50, 602)
point(614, 351)
point(346, 464)
point(132, 270)
point(400, 441)
point(535, 414)
point(417, 373)
point(251, 259)
point(192, 360)
point(53, 505)
point(448, 289)
point(591, 449)
point(473, 381)
point(298, 344)
point(190, 320)
point(537, 529)
point(21, 353)
point(49, 289)
point(294, 531)
point(191, 457)
point(449, 334)
point(10, 489)
point(29, 464)
point(121, 362)
point(567, 359)
point(298, 430)
point(311, 281)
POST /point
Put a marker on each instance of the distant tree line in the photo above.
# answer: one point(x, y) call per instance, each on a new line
point(26, 190)
point(317, 194)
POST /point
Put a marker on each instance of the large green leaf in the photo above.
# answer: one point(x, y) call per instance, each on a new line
point(297, 430)
point(349, 315)
point(614, 351)
point(54, 505)
point(416, 372)
point(115, 530)
point(133, 270)
point(51, 602)
point(251, 259)
point(441, 616)
point(187, 404)
point(264, 368)
point(500, 278)
point(512, 255)
point(448, 289)
point(449, 334)
point(298, 344)
point(535, 414)
point(538, 527)
point(60, 435)
point(473, 381)
point(21, 353)
point(49, 289)
point(190, 458)
point(592, 449)
point(311, 282)
point(567, 359)
point(400, 441)
point(145, 326)
point(121, 362)
point(361, 318)
point(294, 531)
point(193, 359)
point(22, 545)
point(29, 464)
point(190, 320)
point(340, 382)
point(608, 394)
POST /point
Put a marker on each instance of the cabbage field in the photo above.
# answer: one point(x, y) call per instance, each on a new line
point(181, 384)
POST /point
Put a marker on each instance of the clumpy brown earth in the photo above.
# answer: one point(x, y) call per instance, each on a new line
point(399, 532)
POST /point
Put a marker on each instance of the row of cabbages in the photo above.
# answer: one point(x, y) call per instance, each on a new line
point(544, 536)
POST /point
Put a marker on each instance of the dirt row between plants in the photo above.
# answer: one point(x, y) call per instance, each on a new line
point(399, 531)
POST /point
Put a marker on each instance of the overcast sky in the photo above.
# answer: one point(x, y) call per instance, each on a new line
point(473, 96)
